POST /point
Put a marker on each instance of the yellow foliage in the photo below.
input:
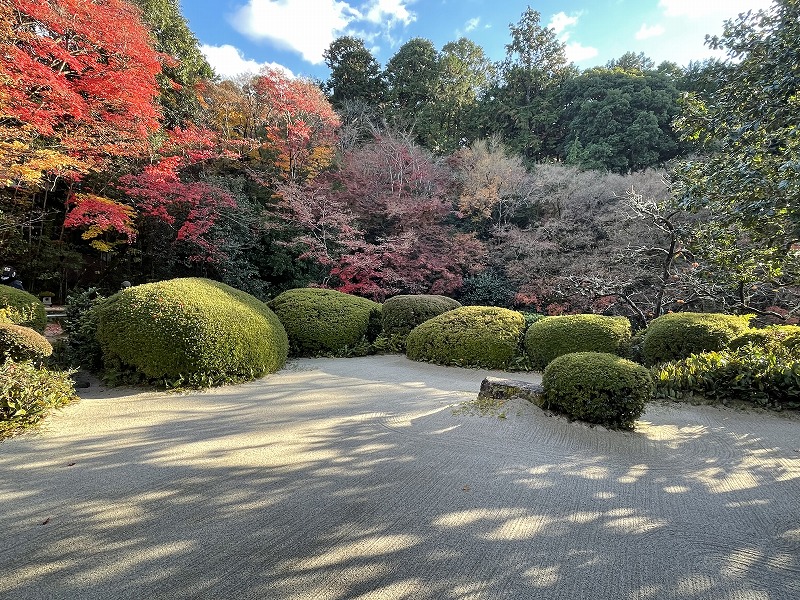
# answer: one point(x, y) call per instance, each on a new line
point(320, 159)
point(27, 166)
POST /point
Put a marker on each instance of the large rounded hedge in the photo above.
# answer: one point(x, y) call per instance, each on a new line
point(402, 313)
point(192, 330)
point(598, 388)
point(552, 337)
point(22, 343)
point(23, 308)
point(470, 336)
point(677, 335)
point(320, 321)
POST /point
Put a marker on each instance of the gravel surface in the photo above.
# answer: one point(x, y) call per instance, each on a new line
point(370, 478)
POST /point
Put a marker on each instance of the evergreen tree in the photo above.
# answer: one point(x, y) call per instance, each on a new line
point(355, 73)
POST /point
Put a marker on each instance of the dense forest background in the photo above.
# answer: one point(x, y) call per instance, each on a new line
point(628, 188)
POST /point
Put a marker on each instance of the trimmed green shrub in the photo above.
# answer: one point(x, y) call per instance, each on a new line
point(765, 376)
point(402, 313)
point(189, 331)
point(597, 387)
point(326, 322)
point(552, 337)
point(20, 343)
point(677, 335)
point(23, 308)
point(470, 336)
point(27, 393)
point(787, 336)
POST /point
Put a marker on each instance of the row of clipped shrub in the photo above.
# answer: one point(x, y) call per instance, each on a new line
point(198, 332)
point(676, 346)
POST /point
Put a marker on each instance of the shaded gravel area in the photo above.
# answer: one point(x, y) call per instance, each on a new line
point(355, 478)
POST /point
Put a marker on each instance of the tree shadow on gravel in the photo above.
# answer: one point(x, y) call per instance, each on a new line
point(372, 489)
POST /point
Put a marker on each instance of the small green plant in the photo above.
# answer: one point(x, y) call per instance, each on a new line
point(80, 324)
point(597, 388)
point(677, 335)
point(28, 393)
point(551, 337)
point(751, 373)
point(389, 344)
point(20, 343)
point(470, 336)
point(322, 322)
point(532, 317)
point(23, 308)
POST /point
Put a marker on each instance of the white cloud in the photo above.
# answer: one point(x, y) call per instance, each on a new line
point(472, 24)
point(309, 26)
point(649, 31)
point(390, 12)
point(699, 8)
point(577, 52)
point(228, 62)
point(560, 21)
point(305, 26)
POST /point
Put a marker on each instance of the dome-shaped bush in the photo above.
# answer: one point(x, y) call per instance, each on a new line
point(787, 336)
point(23, 308)
point(470, 336)
point(677, 335)
point(320, 321)
point(552, 337)
point(22, 343)
point(402, 313)
point(598, 388)
point(198, 331)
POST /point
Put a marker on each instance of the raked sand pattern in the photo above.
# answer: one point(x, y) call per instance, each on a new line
point(355, 479)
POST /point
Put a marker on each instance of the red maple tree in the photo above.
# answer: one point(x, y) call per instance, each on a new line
point(384, 215)
point(82, 73)
point(283, 121)
point(190, 208)
point(102, 218)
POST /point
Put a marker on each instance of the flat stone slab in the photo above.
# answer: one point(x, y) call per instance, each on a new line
point(497, 388)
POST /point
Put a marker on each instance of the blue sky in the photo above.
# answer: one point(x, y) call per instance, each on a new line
point(244, 35)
